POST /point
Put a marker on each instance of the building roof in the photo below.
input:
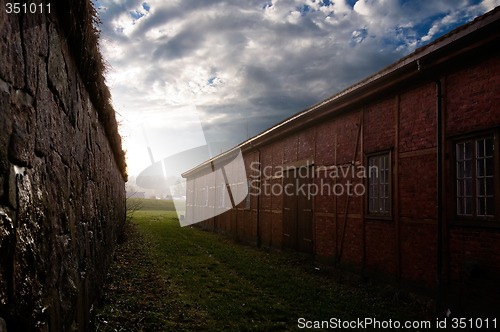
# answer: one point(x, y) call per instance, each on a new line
point(422, 64)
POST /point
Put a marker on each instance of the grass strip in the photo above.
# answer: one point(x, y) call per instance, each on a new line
point(171, 278)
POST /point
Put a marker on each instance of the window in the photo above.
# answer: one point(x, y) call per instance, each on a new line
point(223, 194)
point(476, 165)
point(379, 185)
point(201, 197)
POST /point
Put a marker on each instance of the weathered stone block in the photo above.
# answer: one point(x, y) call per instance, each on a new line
point(11, 52)
point(5, 127)
point(45, 107)
point(19, 149)
point(3, 325)
point(36, 48)
point(12, 188)
point(6, 232)
point(58, 77)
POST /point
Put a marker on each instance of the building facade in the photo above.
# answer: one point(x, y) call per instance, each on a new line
point(396, 177)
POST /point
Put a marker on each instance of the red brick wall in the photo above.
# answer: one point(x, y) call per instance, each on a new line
point(474, 269)
point(266, 232)
point(417, 118)
point(347, 132)
point(277, 229)
point(324, 203)
point(379, 126)
point(418, 253)
point(289, 147)
point(471, 248)
point(351, 247)
point(417, 188)
point(325, 235)
point(325, 143)
point(306, 144)
point(380, 246)
point(472, 97)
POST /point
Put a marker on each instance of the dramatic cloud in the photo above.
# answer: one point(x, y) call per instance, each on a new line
point(246, 65)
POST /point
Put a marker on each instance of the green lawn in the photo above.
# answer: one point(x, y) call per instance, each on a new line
point(167, 278)
point(150, 204)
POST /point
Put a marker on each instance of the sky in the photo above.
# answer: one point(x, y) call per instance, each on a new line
point(184, 73)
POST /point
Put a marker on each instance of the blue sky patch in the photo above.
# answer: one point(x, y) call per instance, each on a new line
point(358, 36)
point(423, 28)
point(351, 2)
point(267, 5)
point(136, 15)
point(304, 10)
point(211, 80)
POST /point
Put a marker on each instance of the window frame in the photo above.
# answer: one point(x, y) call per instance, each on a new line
point(474, 219)
point(379, 215)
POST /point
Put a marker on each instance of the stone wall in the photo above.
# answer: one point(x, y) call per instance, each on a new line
point(62, 196)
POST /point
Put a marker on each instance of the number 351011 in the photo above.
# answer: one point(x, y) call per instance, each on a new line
point(26, 8)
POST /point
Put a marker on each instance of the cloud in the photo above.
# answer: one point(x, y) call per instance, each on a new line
point(246, 65)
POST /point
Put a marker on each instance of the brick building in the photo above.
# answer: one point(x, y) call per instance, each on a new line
point(396, 177)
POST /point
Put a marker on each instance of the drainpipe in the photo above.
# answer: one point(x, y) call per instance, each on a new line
point(259, 241)
point(439, 198)
point(439, 170)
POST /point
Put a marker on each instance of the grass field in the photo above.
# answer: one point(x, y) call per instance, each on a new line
point(149, 204)
point(167, 278)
